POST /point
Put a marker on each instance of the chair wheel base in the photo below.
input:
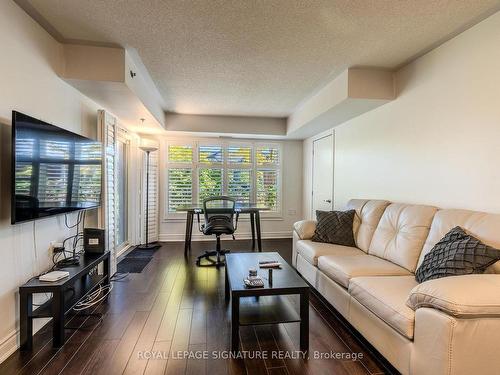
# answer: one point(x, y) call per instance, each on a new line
point(218, 262)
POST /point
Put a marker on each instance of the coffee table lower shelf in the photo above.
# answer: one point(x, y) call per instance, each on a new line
point(267, 310)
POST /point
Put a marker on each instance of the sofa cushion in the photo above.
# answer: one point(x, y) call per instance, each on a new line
point(368, 214)
point(385, 296)
point(310, 251)
point(481, 225)
point(335, 227)
point(401, 234)
point(466, 296)
point(343, 268)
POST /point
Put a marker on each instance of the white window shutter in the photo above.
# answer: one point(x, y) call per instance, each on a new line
point(152, 191)
point(247, 171)
point(107, 218)
point(180, 184)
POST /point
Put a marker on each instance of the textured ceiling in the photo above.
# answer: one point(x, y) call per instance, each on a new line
point(259, 57)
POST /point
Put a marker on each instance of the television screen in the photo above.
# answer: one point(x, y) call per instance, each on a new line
point(54, 171)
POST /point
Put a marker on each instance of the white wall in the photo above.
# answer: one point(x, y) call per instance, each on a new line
point(173, 229)
point(29, 84)
point(438, 143)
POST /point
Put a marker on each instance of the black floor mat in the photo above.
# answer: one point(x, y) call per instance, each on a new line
point(141, 253)
point(133, 265)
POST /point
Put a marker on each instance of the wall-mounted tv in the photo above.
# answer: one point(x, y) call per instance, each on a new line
point(54, 171)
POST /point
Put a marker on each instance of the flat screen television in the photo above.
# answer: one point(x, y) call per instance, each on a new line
point(54, 171)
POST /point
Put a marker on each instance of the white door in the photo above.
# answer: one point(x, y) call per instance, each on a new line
point(322, 194)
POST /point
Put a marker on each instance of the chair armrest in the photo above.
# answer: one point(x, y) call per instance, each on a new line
point(305, 229)
point(466, 296)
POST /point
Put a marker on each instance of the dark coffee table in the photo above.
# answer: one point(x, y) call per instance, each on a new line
point(267, 305)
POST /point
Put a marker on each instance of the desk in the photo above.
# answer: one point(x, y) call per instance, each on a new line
point(252, 209)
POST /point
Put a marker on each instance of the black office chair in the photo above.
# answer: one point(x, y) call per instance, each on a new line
point(219, 215)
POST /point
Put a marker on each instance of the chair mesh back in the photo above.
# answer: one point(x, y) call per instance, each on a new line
point(219, 207)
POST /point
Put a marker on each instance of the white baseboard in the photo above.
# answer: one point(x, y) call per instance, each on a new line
point(8, 345)
point(167, 237)
point(123, 250)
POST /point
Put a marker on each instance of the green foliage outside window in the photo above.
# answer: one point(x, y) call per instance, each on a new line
point(179, 187)
point(180, 154)
point(210, 183)
point(267, 188)
point(267, 155)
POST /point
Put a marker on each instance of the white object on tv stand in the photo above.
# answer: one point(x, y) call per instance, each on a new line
point(54, 276)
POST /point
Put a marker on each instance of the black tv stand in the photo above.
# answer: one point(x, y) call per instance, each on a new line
point(66, 293)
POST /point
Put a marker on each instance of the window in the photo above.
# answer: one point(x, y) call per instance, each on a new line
point(180, 185)
point(209, 182)
point(210, 154)
point(247, 171)
point(268, 162)
point(180, 154)
point(239, 184)
point(239, 155)
point(267, 187)
point(267, 155)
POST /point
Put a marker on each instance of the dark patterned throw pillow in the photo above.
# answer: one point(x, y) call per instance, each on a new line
point(335, 227)
point(457, 253)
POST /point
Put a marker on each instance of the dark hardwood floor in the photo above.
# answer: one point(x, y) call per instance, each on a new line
point(174, 306)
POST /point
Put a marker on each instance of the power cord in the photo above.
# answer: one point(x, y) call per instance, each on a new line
point(119, 276)
point(35, 253)
point(74, 225)
point(74, 258)
point(94, 298)
point(47, 296)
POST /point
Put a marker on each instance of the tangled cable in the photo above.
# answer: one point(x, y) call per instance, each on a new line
point(94, 298)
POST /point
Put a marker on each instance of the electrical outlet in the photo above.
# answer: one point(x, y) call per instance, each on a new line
point(56, 247)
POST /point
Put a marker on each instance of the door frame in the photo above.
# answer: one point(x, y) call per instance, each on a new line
point(317, 138)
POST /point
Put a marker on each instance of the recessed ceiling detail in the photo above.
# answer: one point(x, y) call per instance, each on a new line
point(257, 58)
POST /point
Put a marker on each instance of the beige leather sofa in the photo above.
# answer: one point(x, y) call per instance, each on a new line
point(443, 326)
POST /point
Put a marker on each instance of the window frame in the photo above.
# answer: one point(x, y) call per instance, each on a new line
point(195, 143)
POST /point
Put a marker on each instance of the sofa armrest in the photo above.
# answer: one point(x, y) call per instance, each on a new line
point(466, 296)
point(305, 229)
